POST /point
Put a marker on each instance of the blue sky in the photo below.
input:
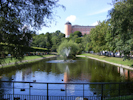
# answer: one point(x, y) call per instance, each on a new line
point(79, 12)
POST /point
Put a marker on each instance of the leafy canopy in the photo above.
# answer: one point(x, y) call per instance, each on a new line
point(122, 26)
point(16, 18)
point(69, 45)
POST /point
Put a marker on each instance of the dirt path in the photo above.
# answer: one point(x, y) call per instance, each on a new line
point(25, 61)
point(119, 65)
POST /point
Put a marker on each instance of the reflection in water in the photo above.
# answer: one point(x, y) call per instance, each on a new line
point(126, 74)
point(26, 73)
point(131, 75)
point(121, 71)
point(118, 68)
point(81, 71)
point(66, 74)
point(61, 61)
point(70, 87)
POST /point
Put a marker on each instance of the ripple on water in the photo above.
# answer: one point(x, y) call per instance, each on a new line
point(61, 61)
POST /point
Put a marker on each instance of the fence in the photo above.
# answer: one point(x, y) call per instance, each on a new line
point(16, 90)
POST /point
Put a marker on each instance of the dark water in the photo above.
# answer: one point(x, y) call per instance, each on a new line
point(81, 70)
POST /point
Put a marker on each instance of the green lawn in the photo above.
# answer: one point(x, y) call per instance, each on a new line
point(9, 60)
point(111, 59)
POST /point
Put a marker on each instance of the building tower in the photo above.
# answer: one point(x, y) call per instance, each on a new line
point(68, 29)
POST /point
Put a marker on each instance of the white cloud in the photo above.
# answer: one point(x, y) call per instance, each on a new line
point(100, 11)
point(94, 24)
point(71, 18)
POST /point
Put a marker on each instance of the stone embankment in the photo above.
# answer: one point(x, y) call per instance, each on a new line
point(25, 61)
point(119, 65)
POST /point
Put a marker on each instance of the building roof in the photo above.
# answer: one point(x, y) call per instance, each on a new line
point(68, 23)
point(83, 26)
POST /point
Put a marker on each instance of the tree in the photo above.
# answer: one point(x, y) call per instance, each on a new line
point(78, 40)
point(51, 41)
point(98, 35)
point(57, 38)
point(121, 20)
point(15, 14)
point(74, 48)
point(77, 33)
point(39, 41)
point(48, 40)
point(32, 12)
point(15, 39)
point(111, 41)
point(87, 42)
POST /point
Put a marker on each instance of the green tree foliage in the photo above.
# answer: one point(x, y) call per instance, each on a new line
point(77, 33)
point(42, 40)
point(87, 43)
point(78, 40)
point(111, 44)
point(33, 12)
point(39, 41)
point(77, 37)
point(51, 41)
point(16, 40)
point(74, 48)
point(15, 14)
point(122, 26)
point(81, 48)
point(73, 37)
point(57, 38)
point(48, 40)
point(98, 35)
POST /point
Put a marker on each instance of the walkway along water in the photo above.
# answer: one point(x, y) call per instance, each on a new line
point(120, 65)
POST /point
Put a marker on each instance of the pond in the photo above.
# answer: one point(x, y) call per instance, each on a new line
point(80, 70)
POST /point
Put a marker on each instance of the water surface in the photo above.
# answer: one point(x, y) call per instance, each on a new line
point(80, 70)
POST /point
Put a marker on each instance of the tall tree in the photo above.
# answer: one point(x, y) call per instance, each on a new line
point(39, 41)
point(36, 13)
point(121, 20)
point(98, 35)
point(15, 14)
point(57, 38)
point(48, 40)
point(87, 42)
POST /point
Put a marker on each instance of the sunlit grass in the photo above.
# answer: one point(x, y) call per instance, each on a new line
point(9, 60)
point(111, 59)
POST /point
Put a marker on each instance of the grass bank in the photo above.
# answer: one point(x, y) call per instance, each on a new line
point(27, 59)
point(111, 59)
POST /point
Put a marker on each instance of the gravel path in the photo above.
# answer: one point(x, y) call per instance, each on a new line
point(120, 65)
point(24, 61)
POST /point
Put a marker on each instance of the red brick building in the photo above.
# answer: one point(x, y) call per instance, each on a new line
point(71, 29)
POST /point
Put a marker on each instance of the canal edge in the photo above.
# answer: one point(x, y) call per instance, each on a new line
point(118, 65)
point(25, 61)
